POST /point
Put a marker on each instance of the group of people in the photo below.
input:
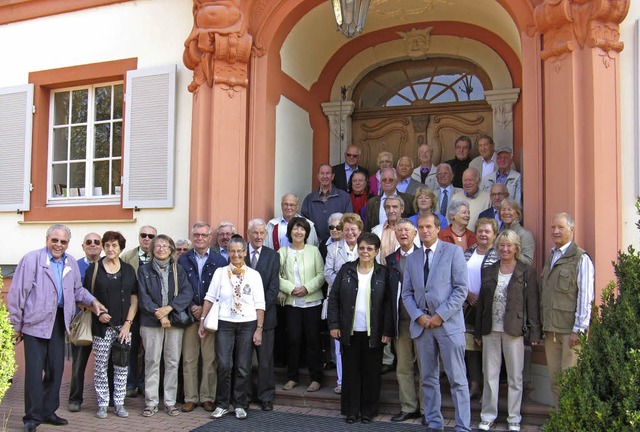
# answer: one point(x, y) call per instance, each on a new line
point(417, 273)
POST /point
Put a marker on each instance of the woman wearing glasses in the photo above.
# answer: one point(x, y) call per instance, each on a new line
point(335, 234)
point(163, 287)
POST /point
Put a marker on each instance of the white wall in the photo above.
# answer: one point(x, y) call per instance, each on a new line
point(154, 31)
point(294, 156)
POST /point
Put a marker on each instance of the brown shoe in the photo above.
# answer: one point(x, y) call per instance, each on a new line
point(188, 407)
point(314, 386)
point(208, 406)
point(289, 385)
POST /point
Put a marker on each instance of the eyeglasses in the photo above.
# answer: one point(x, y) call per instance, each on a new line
point(351, 155)
point(94, 241)
point(498, 194)
point(145, 235)
point(334, 227)
point(387, 180)
point(62, 242)
point(182, 249)
point(200, 235)
point(162, 246)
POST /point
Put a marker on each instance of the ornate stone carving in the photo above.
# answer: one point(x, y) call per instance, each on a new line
point(567, 24)
point(219, 46)
point(417, 42)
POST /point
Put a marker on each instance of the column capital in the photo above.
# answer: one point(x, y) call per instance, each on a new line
point(569, 24)
point(501, 102)
point(218, 48)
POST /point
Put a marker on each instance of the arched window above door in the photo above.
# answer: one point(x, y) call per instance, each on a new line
point(422, 82)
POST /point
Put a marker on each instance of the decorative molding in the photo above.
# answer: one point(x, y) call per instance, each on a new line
point(340, 126)
point(569, 24)
point(502, 102)
point(22, 10)
point(417, 42)
point(219, 47)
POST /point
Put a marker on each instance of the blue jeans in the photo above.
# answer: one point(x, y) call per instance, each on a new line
point(234, 351)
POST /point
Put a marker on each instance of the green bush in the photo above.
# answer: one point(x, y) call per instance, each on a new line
point(602, 393)
point(7, 356)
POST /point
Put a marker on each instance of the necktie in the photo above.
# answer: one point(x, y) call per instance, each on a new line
point(445, 203)
point(426, 267)
point(254, 259)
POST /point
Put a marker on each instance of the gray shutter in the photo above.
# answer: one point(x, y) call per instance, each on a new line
point(16, 120)
point(149, 143)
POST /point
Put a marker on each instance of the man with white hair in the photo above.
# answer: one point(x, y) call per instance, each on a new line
point(224, 232)
point(277, 227)
point(478, 199)
point(425, 173)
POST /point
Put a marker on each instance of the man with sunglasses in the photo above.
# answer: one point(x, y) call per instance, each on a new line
point(344, 170)
point(42, 301)
point(92, 247)
point(376, 213)
point(137, 257)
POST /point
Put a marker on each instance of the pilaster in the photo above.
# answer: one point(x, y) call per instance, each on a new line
point(501, 102)
point(339, 115)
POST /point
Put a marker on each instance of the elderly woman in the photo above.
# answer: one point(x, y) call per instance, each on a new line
point(182, 247)
point(237, 290)
point(478, 257)
point(113, 283)
point(457, 232)
point(301, 279)
point(339, 253)
point(360, 317)
point(385, 160)
point(335, 234)
point(508, 301)
point(425, 201)
point(359, 192)
point(511, 215)
point(163, 287)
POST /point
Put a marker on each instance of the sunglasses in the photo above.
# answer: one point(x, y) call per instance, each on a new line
point(333, 227)
point(94, 241)
point(62, 242)
point(182, 249)
point(351, 155)
point(145, 235)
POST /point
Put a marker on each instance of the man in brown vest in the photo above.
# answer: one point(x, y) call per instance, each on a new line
point(567, 291)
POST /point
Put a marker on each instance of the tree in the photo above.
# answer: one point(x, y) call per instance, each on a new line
point(7, 355)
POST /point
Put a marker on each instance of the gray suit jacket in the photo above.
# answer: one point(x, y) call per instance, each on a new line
point(446, 289)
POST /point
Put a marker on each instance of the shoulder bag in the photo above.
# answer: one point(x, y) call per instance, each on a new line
point(80, 327)
point(184, 318)
point(526, 327)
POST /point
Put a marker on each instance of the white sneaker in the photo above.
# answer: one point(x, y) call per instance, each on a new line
point(338, 390)
point(241, 414)
point(514, 426)
point(485, 425)
point(219, 412)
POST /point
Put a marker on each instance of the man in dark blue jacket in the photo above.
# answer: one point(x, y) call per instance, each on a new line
point(200, 263)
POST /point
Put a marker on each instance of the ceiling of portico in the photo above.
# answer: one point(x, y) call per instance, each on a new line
point(313, 40)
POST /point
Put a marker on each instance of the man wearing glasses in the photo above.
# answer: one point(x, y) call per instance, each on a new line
point(224, 232)
point(277, 227)
point(42, 301)
point(200, 263)
point(92, 247)
point(343, 171)
point(498, 193)
point(137, 257)
point(376, 213)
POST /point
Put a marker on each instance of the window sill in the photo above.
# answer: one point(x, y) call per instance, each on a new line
point(91, 212)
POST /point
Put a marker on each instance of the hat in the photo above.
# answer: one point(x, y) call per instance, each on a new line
point(505, 150)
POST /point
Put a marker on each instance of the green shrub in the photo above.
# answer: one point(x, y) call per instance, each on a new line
point(602, 393)
point(7, 356)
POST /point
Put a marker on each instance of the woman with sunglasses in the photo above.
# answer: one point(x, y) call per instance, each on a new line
point(335, 234)
point(183, 246)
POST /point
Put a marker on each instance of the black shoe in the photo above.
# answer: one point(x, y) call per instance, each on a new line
point(366, 419)
point(424, 421)
point(74, 407)
point(131, 393)
point(30, 426)
point(404, 416)
point(386, 369)
point(267, 406)
point(53, 419)
point(329, 365)
point(351, 419)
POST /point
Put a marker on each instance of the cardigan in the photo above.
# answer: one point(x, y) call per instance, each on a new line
point(311, 273)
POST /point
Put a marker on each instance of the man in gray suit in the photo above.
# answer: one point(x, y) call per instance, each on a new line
point(435, 285)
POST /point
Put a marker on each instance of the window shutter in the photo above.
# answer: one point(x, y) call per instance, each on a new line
point(16, 120)
point(149, 143)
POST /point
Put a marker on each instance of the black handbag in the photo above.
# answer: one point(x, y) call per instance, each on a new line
point(120, 352)
point(184, 318)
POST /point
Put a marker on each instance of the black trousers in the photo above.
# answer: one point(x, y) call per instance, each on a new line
point(361, 380)
point(305, 320)
point(44, 365)
point(79, 358)
point(266, 383)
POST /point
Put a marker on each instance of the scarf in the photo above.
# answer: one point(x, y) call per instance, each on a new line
point(162, 267)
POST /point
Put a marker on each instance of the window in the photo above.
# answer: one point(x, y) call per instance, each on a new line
point(85, 144)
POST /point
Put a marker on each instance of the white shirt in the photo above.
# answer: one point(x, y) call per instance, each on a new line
point(474, 266)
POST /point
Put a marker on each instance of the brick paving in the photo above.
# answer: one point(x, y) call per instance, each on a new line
point(12, 409)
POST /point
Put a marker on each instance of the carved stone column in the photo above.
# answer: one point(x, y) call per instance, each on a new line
point(218, 51)
point(581, 121)
point(339, 115)
point(501, 102)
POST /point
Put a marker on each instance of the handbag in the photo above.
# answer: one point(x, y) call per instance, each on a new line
point(80, 328)
point(211, 320)
point(120, 352)
point(185, 317)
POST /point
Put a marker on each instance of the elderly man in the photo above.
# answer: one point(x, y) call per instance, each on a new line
point(318, 206)
point(505, 175)
point(405, 351)
point(42, 301)
point(485, 163)
point(445, 190)
point(266, 262)
point(478, 199)
point(434, 288)
point(343, 171)
point(277, 227)
point(376, 213)
point(136, 257)
point(92, 248)
point(224, 232)
point(567, 290)
point(497, 194)
point(200, 263)
point(404, 169)
point(462, 160)
point(426, 172)
point(386, 232)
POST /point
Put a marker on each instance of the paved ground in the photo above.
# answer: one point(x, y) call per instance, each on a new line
point(12, 409)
